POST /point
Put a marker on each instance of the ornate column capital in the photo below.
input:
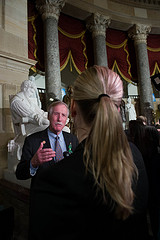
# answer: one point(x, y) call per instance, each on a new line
point(50, 8)
point(139, 33)
point(97, 24)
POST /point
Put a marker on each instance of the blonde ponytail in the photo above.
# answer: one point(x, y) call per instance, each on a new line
point(107, 154)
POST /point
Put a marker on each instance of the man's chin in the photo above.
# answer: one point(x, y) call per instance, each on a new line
point(58, 128)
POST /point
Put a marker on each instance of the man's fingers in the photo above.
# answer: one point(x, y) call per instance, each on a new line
point(46, 150)
point(46, 154)
point(47, 159)
point(41, 145)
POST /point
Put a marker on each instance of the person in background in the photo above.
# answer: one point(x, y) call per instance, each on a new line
point(142, 119)
point(101, 190)
point(157, 126)
point(147, 140)
point(136, 134)
point(123, 113)
point(152, 160)
point(39, 150)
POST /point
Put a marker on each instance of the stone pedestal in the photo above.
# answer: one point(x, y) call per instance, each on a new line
point(9, 173)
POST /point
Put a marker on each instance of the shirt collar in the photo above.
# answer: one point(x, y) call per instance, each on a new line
point(54, 135)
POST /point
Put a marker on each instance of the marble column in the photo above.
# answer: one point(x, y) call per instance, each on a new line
point(50, 11)
point(97, 24)
point(139, 34)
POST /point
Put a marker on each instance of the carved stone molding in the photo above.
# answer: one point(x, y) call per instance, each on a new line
point(97, 24)
point(50, 8)
point(139, 33)
point(14, 63)
point(153, 4)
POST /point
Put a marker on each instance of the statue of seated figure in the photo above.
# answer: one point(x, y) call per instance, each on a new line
point(27, 116)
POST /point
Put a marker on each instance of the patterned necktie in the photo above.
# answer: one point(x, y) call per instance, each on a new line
point(58, 150)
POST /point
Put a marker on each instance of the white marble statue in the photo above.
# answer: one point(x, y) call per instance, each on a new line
point(27, 115)
point(130, 110)
point(35, 98)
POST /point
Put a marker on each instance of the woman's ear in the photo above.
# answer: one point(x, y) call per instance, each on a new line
point(73, 108)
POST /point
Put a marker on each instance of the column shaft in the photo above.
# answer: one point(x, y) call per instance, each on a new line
point(100, 53)
point(50, 11)
point(139, 34)
point(143, 75)
point(52, 62)
point(97, 24)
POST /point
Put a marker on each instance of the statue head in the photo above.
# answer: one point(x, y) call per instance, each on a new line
point(129, 100)
point(28, 87)
point(31, 78)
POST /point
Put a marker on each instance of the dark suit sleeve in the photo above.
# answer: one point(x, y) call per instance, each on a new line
point(23, 167)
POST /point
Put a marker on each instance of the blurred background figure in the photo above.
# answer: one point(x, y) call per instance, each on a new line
point(142, 119)
point(130, 111)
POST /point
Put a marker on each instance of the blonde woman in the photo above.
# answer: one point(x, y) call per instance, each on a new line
point(100, 191)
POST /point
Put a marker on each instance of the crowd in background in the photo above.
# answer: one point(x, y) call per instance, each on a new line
point(147, 140)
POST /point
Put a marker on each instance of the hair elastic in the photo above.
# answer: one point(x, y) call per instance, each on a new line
point(103, 95)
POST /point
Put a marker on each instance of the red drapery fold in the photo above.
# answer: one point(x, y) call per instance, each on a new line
point(153, 47)
point(72, 43)
point(35, 36)
point(118, 53)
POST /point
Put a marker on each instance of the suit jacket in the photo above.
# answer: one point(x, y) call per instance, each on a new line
point(30, 147)
point(65, 204)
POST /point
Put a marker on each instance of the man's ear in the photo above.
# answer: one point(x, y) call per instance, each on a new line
point(73, 108)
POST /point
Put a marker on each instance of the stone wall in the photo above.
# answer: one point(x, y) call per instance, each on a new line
point(14, 65)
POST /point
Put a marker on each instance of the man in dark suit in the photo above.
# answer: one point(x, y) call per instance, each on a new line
point(39, 150)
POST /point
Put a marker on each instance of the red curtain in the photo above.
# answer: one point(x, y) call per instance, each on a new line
point(118, 53)
point(72, 43)
point(153, 47)
point(35, 36)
